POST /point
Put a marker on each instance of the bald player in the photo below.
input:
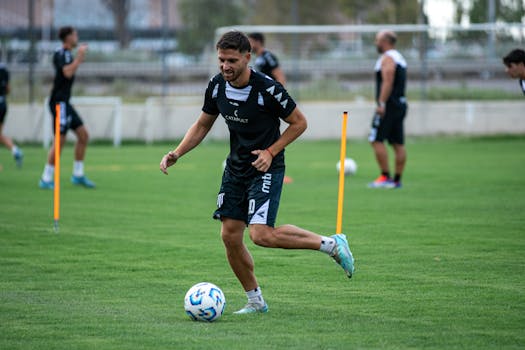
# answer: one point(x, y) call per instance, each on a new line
point(387, 124)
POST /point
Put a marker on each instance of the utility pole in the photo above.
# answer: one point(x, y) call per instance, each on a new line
point(491, 17)
point(32, 56)
point(423, 38)
point(165, 24)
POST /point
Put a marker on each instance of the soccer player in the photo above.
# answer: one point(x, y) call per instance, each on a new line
point(387, 124)
point(266, 62)
point(4, 90)
point(515, 63)
point(65, 68)
point(252, 106)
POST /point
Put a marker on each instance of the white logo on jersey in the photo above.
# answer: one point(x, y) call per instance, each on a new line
point(271, 89)
point(236, 119)
point(278, 97)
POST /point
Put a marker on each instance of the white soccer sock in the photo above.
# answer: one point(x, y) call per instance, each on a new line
point(14, 150)
point(255, 296)
point(327, 245)
point(49, 171)
point(78, 168)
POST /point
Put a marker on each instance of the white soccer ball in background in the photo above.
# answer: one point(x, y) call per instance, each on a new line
point(350, 166)
point(204, 302)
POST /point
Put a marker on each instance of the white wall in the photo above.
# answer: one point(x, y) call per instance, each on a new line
point(152, 121)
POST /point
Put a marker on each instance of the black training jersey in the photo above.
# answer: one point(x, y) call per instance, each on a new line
point(252, 114)
point(266, 63)
point(62, 85)
point(522, 85)
point(397, 97)
point(4, 80)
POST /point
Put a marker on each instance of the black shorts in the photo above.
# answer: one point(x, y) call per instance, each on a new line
point(254, 200)
point(3, 110)
point(389, 127)
point(69, 118)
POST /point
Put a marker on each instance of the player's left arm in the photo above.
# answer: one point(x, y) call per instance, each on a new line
point(388, 71)
point(297, 124)
point(279, 76)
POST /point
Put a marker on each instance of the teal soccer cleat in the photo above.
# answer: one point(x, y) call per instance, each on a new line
point(342, 254)
point(252, 308)
point(19, 158)
point(46, 185)
point(82, 181)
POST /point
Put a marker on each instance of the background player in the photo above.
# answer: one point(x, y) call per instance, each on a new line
point(515, 63)
point(391, 109)
point(266, 62)
point(65, 69)
point(4, 90)
point(252, 106)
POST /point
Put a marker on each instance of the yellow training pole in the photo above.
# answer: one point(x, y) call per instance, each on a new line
point(340, 196)
point(57, 167)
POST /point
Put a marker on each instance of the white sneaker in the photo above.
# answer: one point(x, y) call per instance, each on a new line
point(251, 308)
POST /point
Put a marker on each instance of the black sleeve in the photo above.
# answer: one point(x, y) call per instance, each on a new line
point(59, 60)
point(7, 76)
point(271, 60)
point(210, 102)
point(278, 100)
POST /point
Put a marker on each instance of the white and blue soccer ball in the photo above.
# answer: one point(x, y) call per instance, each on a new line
point(350, 166)
point(204, 302)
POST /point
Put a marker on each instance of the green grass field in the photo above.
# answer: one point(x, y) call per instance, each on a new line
point(440, 263)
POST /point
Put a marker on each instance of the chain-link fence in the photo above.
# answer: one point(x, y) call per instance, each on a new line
point(321, 62)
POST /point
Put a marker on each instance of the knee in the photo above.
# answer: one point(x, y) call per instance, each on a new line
point(263, 235)
point(230, 240)
point(83, 137)
point(231, 236)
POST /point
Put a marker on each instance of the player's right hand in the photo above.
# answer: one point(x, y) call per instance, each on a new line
point(167, 161)
point(81, 52)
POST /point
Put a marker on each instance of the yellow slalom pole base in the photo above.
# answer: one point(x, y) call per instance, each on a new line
point(340, 195)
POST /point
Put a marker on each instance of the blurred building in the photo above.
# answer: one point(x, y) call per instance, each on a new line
point(143, 14)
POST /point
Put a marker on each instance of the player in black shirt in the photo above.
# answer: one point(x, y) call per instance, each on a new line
point(515, 63)
point(387, 124)
point(266, 62)
point(4, 90)
point(252, 106)
point(65, 68)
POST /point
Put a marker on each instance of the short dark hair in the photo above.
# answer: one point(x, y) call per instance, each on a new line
point(64, 32)
point(515, 56)
point(234, 40)
point(257, 37)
